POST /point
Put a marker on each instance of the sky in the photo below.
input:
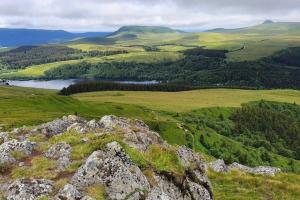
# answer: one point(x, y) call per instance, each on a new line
point(109, 15)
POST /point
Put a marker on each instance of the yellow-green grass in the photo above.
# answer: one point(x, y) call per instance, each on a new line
point(263, 47)
point(190, 100)
point(36, 71)
point(153, 39)
point(173, 48)
point(241, 186)
point(96, 47)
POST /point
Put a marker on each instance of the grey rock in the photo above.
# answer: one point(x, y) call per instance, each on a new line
point(14, 145)
point(113, 169)
point(59, 126)
point(93, 124)
point(157, 194)
point(266, 170)
point(26, 189)
point(69, 192)
point(169, 190)
point(136, 133)
point(219, 166)
point(262, 170)
point(4, 137)
point(197, 170)
point(20, 131)
point(62, 153)
point(197, 191)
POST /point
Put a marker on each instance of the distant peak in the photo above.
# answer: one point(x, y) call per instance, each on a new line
point(145, 29)
point(268, 21)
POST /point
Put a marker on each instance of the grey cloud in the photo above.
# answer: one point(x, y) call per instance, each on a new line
point(109, 14)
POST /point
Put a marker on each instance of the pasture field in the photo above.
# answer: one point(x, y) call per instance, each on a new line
point(95, 47)
point(190, 100)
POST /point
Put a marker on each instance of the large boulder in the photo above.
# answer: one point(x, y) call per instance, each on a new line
point(7, 148)
point(26, 189)
point(115, 170)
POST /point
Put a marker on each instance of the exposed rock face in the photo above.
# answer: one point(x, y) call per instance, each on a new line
point(219, 166)
point(60, 152)
point(29, 189)
point(13, 145)
point(114, 169)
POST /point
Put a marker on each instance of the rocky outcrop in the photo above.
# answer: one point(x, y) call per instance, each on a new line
point(59, 126)
point(220, 166)
point(138, 134)
point(29, 189)
point(263, 170)
point(7, 148)
point(113, 169)
point(60, 152)
point(109, 166)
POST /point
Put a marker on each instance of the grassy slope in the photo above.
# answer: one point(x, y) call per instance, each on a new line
point(19, 106)
point(190, 100)
point(239, 186)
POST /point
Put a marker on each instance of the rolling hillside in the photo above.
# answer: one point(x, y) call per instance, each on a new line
point(268, 28)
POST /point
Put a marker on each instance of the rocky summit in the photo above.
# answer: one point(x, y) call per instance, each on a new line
point(114, 158)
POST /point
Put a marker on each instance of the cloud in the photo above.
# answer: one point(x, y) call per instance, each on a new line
point(92, 15)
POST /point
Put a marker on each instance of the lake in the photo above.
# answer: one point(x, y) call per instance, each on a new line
point(60, 84)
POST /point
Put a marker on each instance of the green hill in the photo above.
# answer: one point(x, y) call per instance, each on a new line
point(144, 29)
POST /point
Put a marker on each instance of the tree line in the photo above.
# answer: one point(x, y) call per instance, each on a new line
point(109, 86)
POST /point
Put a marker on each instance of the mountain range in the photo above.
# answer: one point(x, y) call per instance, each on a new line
point(18, 37)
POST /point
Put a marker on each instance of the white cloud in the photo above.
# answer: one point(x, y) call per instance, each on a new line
point(99, 15)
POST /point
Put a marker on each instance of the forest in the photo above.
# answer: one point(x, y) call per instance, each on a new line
point(264, 128)
point(91, 86)
point(198, 68)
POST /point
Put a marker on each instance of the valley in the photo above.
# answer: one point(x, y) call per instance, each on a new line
point(229, 94)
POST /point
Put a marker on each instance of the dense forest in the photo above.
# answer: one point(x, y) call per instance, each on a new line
point(198, 68)
point(265, 129)
point(30, 55)
point(275, 127)
point(108, 86)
